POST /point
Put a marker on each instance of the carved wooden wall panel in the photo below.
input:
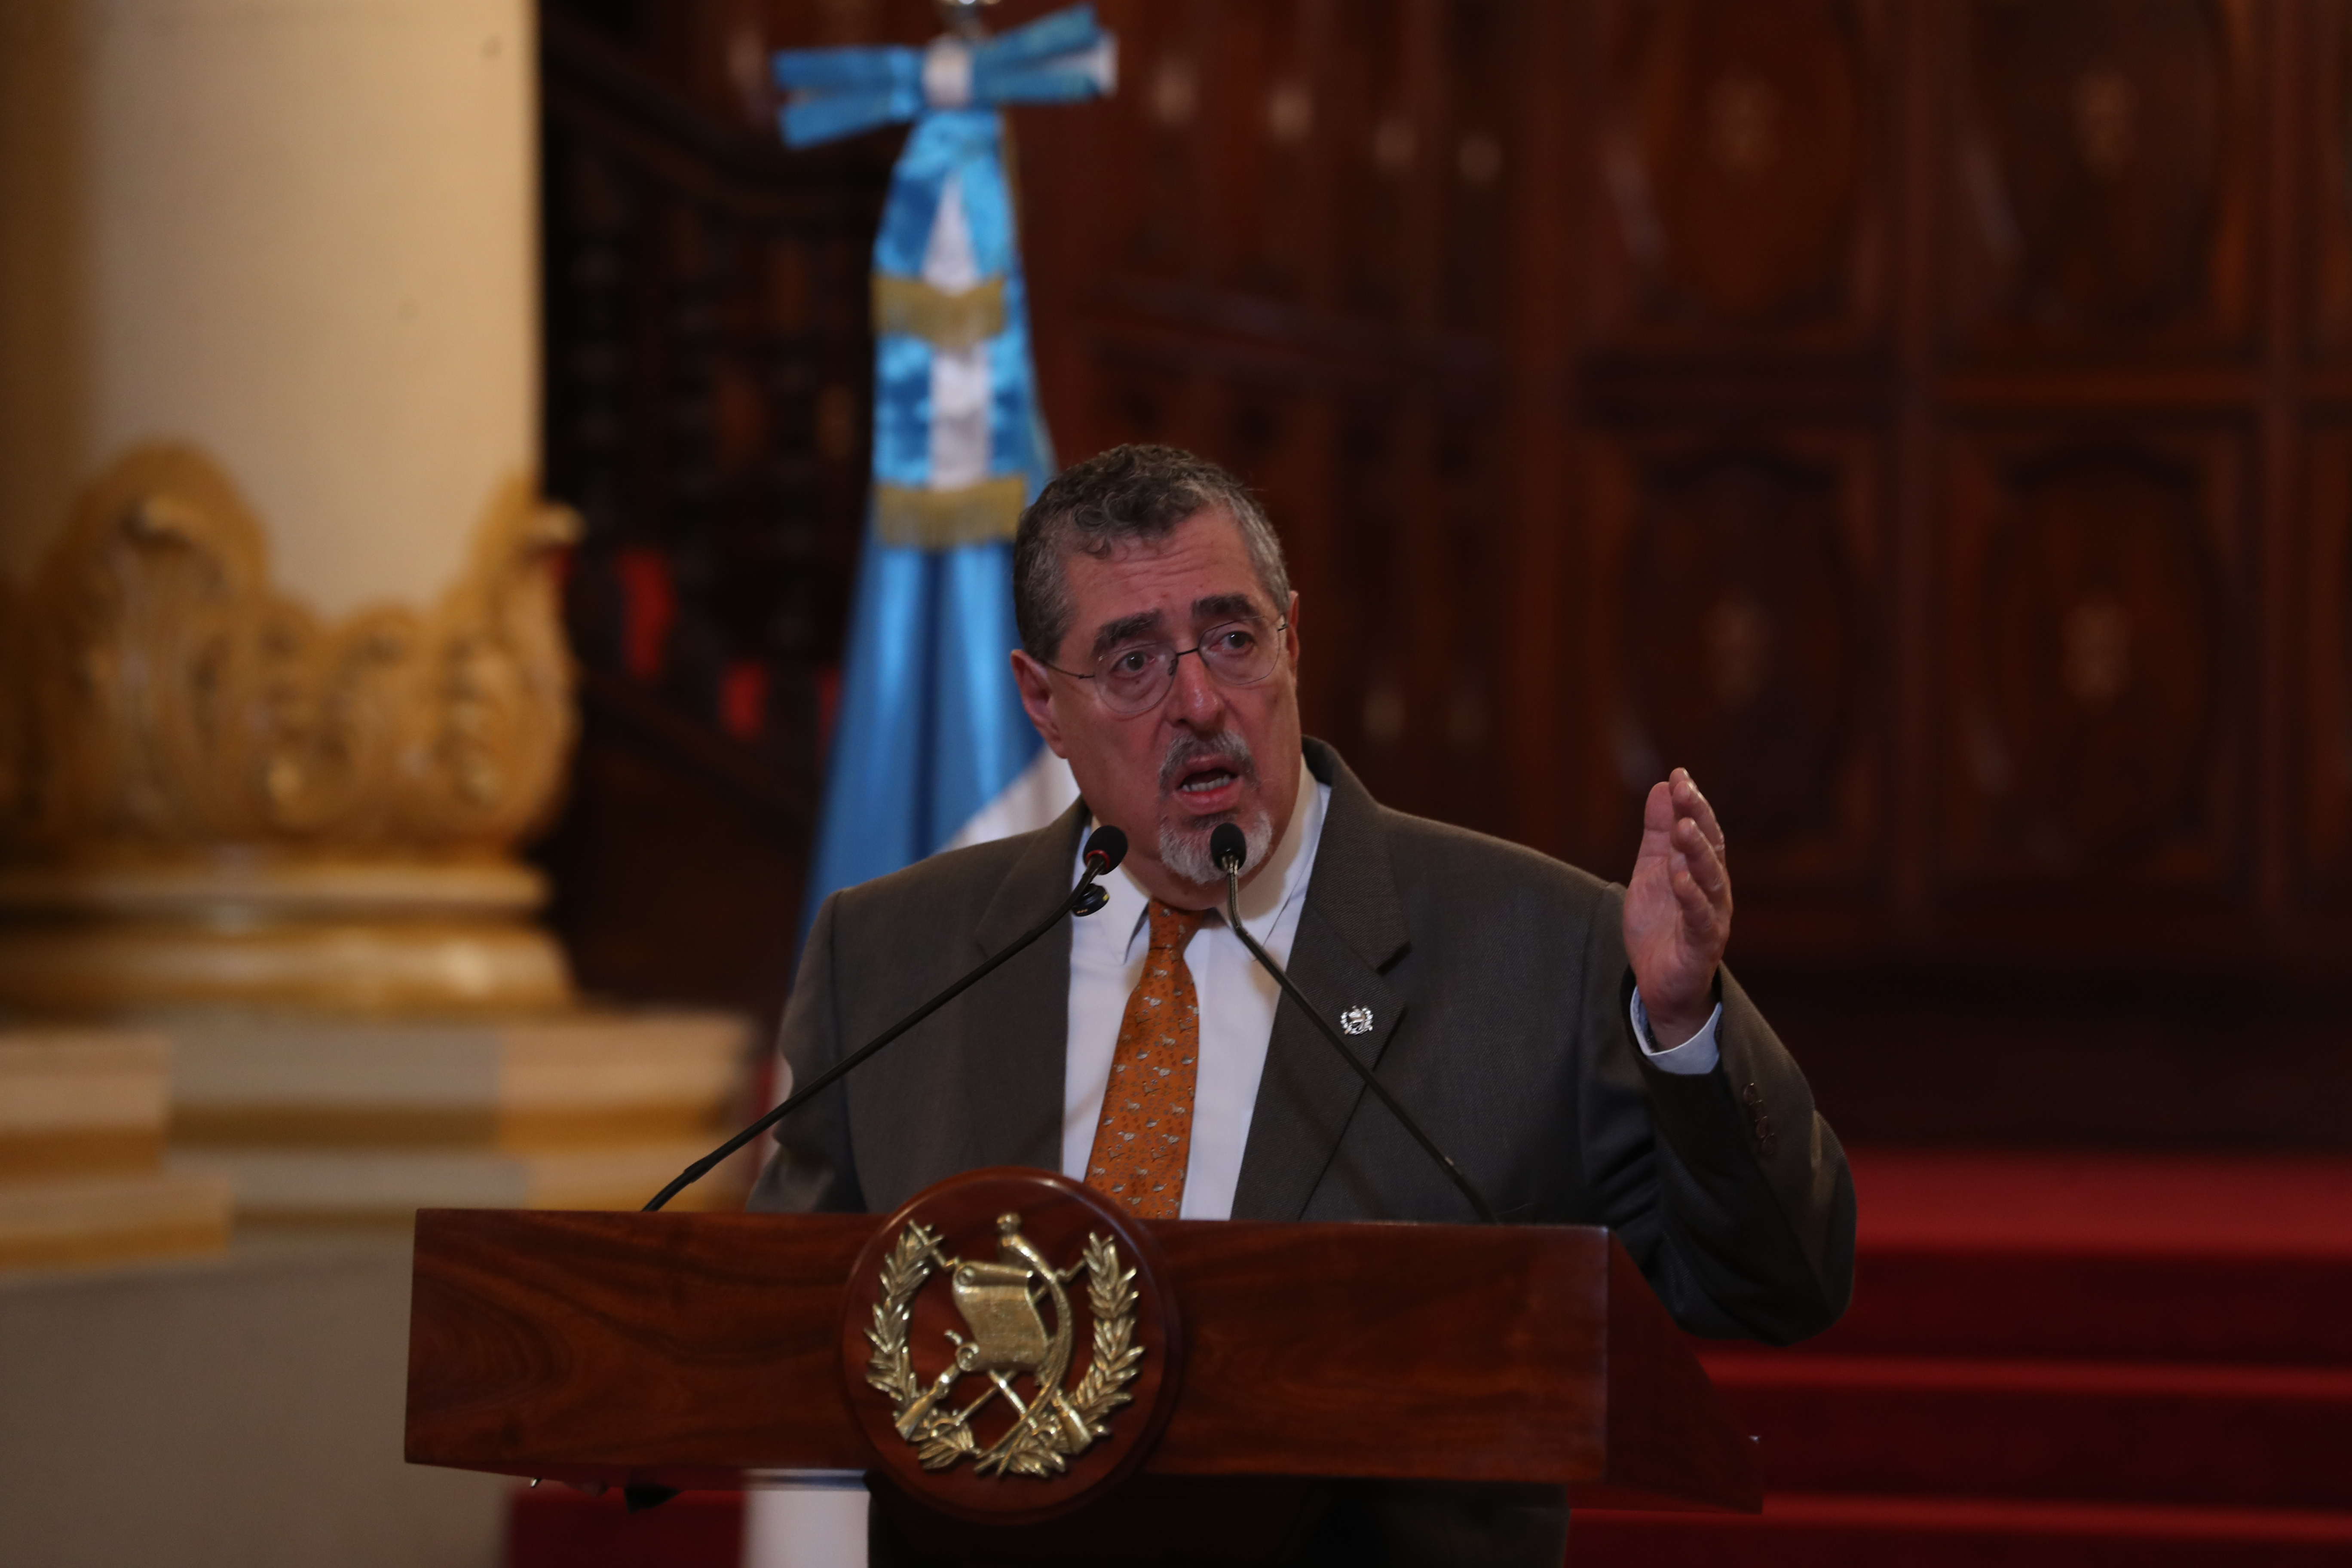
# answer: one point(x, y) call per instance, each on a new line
point(1375, 480)
point(1403, 614)
point(1388, 503)
point(1467, 639)
point(1930, 419)
point(1201, 172)
point(1734, 154)
point(1275, 433)
point(2095, 638)
point(1980, 370)
point(1261, 132)
point(1373, 94)
point(2325, 186)
point(2324, 754)
point(1467, 160)
point(2103, 173)
point(1149, 221)
point(1962, 231)
point(1135, 397)
point(1316, 327)
point(1741, 585)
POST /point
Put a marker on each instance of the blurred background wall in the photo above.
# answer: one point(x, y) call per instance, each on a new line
point(1932, 424)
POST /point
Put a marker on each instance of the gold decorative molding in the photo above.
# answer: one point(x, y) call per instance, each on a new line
point(82, 1103)
point(158, 694)
point(210, 795)
point(109, 1219)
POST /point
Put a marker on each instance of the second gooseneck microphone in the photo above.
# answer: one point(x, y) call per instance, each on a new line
point(1229, 850)
point(1106, 847)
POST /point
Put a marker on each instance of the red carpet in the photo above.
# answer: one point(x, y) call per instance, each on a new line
point(2050, 1359)
point(2053, 1359)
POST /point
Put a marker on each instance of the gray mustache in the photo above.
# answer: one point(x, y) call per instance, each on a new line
point(1190, 750)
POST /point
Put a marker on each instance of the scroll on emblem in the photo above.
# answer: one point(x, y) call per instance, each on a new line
point(1006, 1374)
point(1011, 1345)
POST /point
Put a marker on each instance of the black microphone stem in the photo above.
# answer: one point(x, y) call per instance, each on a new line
point(1266, 961)
point(1083, 898)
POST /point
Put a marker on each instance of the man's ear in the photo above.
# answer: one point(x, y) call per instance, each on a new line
point(1290, 632)
point(1036, 685)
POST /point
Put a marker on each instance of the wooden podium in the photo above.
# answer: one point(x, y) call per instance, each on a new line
point(721, 1351)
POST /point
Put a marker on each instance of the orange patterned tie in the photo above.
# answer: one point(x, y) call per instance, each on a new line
point(1145, 1139)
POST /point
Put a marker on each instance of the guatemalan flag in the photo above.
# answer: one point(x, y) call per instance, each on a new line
point(931, 748)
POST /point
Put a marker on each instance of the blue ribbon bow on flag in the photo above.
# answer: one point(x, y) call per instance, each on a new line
point(932, 747)
point(1062, 58)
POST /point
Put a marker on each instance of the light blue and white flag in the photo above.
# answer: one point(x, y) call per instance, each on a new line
point(931, 749)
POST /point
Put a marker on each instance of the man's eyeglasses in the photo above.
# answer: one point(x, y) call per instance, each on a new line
point(1135, 676)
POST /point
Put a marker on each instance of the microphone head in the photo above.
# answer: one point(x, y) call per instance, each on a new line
point(1106, 847)
point(1228, 849)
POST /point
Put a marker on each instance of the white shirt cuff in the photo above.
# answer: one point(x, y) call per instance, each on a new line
point(1694, 1056)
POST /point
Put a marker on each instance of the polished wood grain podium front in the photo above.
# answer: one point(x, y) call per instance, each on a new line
point(715, 1351)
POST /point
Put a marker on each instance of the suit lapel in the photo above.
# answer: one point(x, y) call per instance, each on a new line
point(1352, 930)
point(1019, 1038)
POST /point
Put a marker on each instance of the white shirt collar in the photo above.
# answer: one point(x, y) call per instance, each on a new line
point(1277, 885)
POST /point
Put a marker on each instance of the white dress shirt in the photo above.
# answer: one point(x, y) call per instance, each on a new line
point(1237, 1000)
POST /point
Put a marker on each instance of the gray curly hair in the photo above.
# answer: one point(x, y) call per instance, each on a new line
point(1126, 493)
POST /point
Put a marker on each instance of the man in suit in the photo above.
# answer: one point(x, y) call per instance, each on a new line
point(1576, 1047)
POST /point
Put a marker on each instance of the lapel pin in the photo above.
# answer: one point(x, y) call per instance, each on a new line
point(1357, 1020)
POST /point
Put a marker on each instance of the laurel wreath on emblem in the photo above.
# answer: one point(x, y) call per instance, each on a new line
point(999, 1303)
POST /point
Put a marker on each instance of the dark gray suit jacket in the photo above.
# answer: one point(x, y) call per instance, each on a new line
point(1497, 983)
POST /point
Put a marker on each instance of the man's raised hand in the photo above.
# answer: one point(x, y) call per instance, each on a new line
point(1677, 908)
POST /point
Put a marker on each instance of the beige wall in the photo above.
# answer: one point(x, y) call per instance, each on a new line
point(242, 1412)
point(297, 234)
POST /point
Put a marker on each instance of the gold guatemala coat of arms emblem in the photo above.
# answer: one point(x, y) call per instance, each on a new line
point(1005, 1305)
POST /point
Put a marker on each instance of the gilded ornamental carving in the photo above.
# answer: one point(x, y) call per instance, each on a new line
point(159, 695)
point(209, 794)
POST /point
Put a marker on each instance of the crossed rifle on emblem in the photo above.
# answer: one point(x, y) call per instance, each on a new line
point(999, 1303)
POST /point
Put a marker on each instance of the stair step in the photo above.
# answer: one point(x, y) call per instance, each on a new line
point(2085, 1201)
point(2089, 1304)
point(1815, 1530)
point(2251, 1437)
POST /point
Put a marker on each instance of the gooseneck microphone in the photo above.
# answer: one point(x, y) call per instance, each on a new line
point(1106, 847)
point(1229, 850)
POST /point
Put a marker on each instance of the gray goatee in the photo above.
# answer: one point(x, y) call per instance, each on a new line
point(1184, 842)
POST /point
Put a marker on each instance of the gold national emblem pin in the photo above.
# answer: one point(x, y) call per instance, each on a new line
point(1006, 1338)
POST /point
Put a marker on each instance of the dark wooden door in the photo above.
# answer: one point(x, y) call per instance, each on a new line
point(1928, 420)
point(1924, 421)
